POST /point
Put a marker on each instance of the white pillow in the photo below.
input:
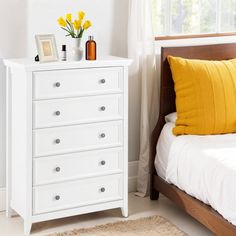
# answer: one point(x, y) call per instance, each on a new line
point(172, 117)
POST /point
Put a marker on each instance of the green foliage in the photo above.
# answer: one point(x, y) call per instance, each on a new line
point(158, 17)
point(193, 16)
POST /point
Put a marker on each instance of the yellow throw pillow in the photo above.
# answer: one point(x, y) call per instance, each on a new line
point(205, 96)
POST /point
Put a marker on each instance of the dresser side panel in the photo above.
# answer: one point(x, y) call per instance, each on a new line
point(19, 139)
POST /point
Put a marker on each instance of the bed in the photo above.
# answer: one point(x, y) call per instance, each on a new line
point(167, 185)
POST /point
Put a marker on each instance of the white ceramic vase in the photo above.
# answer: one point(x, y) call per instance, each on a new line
point(78, 51)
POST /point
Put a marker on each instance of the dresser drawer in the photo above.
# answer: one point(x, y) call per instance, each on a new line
point(67, 195)
point(77, 138)
point(77, 165)
point(78, 82)
point(58, 112)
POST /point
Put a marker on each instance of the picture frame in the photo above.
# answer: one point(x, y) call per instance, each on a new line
point(47, 48)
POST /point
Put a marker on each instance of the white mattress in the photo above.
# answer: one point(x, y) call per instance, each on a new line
point(202, 166)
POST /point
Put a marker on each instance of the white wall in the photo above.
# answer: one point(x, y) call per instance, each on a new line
point(12, 44)
point(109, 19)
point(2, 150)
point(13, 14)
point(20, 20)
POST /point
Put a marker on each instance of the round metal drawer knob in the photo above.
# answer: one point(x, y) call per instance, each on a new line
point(57, 197)
point(103, 81)
point(58, 169)
point(57, 141)
point(103, 163)
point(58, 113)
point(57, 84)
point(103, 108)
point(103, 190)
point(103, 135)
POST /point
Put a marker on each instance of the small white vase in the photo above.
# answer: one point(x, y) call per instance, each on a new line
point(78, 51)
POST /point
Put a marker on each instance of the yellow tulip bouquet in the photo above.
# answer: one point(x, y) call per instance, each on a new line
point(75, 28)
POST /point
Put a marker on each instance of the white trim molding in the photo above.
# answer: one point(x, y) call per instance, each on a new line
point(2, 199)
point(133, 172)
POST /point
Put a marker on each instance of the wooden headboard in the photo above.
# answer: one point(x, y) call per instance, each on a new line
point(167, 93)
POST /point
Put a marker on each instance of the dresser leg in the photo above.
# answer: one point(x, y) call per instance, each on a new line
point(27, 228)
point(125, 211)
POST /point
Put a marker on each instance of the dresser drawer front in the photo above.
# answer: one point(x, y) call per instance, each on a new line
point(68, 195)
point(48, 113)
point(78, 82)
point(77, 165)
point(77, 138)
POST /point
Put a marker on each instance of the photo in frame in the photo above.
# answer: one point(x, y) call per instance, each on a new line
point(47, 48)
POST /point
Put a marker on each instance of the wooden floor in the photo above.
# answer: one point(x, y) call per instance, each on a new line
point(138, 207)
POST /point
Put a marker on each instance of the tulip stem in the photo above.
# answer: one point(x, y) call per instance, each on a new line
point(81, 33)
point(67, 31)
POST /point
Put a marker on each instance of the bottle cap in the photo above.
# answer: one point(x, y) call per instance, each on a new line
point(91, 37)
point(63, 47)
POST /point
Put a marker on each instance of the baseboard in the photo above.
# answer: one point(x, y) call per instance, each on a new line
point(133, 170)
point(2, 199)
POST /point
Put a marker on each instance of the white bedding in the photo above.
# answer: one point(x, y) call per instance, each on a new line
point(202, 166)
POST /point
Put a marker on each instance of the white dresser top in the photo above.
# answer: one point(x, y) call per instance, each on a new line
point(31, 65)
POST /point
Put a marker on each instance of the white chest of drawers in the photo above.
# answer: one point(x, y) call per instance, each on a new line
point(67, 138)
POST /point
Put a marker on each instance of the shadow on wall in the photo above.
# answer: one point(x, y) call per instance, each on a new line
point(120, 35)
point(13, 43)
point(120, 27)
point(2, 122)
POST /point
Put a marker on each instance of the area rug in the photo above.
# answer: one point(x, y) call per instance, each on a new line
point(150, 226)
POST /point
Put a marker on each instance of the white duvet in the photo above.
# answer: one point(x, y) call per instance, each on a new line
point(202, 166)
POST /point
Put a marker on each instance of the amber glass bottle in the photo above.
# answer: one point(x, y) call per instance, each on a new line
point(91, 49)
